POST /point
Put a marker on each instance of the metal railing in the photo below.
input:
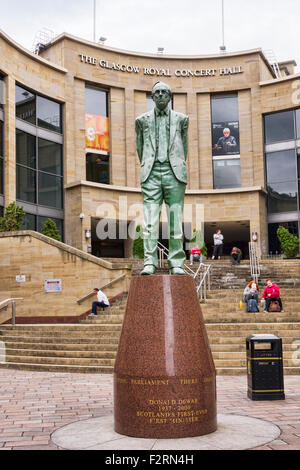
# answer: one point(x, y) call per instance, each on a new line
point(109, 284)
point(254, 261)
point(4, 305)
point(201, 276)
point(202, 280)
point(163, 254)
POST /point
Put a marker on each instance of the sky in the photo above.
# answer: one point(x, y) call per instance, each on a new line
point(180, 26)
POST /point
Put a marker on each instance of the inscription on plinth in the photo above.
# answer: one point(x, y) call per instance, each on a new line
point(164, 381)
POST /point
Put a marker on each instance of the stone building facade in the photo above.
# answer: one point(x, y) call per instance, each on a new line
point(68, 150)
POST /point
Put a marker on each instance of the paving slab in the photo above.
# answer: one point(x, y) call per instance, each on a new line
point(234, 433)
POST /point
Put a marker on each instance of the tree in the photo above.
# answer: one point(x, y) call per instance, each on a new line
point(13, 218)
point(50, 229)
point(289, 242)
point(138, 244)
point(197, 239)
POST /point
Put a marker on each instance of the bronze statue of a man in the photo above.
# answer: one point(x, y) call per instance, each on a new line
point(162, 144)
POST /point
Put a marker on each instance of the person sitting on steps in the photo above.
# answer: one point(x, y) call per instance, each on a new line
point(271, 293)
point(236, 255)
point(252, 300)
point(195, 255)
point(102, 302)
point(248, 288)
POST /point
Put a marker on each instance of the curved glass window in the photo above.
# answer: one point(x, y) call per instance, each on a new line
point(25, 105)
point(26, 149)
point(281, 166)
point(279, 127)
point(49, 157)
point(48, 114)
point(283, 197)
point(38, 110)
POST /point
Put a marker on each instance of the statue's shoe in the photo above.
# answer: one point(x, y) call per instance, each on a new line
point(148, 270)
point(177, 271)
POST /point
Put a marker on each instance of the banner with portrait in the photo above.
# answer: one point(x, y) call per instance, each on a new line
point(226, 138)
point(96, 132)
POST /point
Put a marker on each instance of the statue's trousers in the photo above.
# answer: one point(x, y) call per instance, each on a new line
point(163, 186)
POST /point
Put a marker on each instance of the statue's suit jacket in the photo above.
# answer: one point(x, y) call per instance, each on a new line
point(177, 148)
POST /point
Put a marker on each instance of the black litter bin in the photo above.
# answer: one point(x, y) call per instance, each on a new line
point(265, 367)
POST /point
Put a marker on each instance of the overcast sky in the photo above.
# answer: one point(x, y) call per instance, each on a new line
point(180, 26)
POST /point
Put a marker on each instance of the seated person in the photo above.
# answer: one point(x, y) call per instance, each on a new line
point(248, 288)
point(195, 255)
point(236, 255)
point(252, 300)
point(271, 292)
point(102, 301)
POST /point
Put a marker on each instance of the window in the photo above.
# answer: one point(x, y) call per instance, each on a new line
point(97, 135)
point(274, 244)
point(26, 149)
point(29, 222)
point(225, 141)
point(279, 127)
point(50, 190)
point(227, 173)
point(38, 110)
point(282, 181)
point(26, 184)
point(2, 92)
point(97, 122)
point(25, 105)
point(48, 114)
point(281, 166)
point(298, 123)
point(1, 159)
point(33, 222)
point(50, 157)
point(97, 168)
point(39, 170)
point(59, 224)
point(282, 197)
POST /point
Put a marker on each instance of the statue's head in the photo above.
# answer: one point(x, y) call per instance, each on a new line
point(161, 95)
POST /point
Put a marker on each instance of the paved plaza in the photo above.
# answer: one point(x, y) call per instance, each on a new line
point(35, 404)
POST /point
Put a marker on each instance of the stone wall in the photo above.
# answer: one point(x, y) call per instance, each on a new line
point(40, 258)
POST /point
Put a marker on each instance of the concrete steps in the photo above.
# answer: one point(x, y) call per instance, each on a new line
point(91, 346)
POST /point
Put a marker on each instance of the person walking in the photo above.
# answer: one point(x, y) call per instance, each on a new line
point(102, 302)
point(218, 244)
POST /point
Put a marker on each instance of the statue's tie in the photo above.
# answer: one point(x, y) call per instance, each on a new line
point(162, 154)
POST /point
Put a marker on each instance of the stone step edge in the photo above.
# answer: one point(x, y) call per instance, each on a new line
point(109, 369)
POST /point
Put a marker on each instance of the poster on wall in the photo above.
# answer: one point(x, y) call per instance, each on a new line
point(53, 285)
point(226, 138)
point(97, 132)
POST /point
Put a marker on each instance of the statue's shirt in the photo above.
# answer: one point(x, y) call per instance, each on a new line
point(162, 134)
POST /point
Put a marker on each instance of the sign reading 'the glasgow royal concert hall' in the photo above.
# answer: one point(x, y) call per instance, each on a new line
point(160, 72)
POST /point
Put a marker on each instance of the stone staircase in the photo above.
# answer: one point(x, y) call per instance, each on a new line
point(91, 346)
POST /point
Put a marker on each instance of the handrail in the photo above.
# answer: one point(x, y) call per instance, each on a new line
point(254, 261)
point(204, 283)
point(86, 297)
point(163, 251)
point(4, 304)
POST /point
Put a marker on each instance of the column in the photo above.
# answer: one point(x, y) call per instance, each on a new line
point(205, 141)
point(10, 142)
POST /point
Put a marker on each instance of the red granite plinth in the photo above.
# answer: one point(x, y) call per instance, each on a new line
point(164, 377)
